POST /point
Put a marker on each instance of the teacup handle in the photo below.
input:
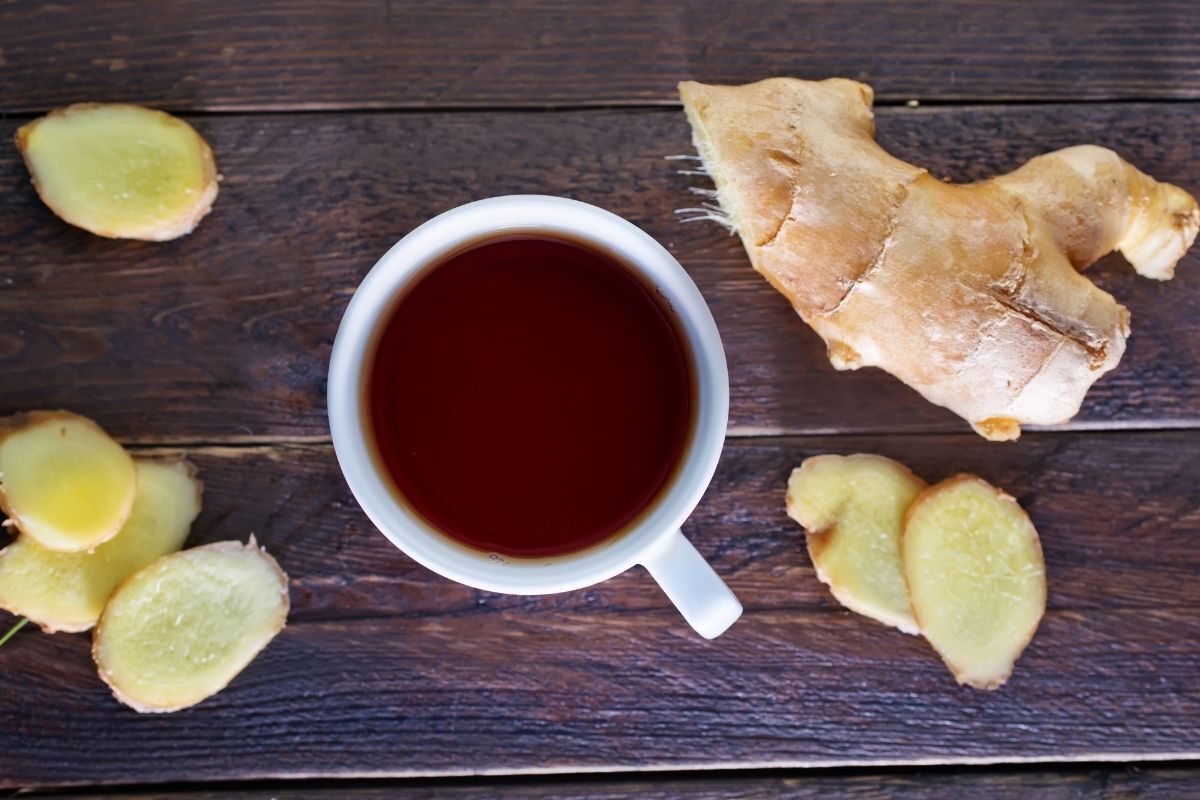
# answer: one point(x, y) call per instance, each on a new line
point(690, 583)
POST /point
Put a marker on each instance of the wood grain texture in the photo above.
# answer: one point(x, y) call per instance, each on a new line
point(289, 54)
point(224, 335)
point(389, 670)
point(1099, 783)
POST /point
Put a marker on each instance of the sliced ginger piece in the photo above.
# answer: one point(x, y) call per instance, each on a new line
point(179, 630)
point(67, 591)
point(852, 508)
point(63, 481)
point(120, 171)
point(976, 578)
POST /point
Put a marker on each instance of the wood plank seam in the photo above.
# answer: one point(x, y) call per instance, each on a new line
point(718, 780)
point(735, 433)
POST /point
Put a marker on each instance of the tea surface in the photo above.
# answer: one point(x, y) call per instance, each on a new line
point(530, 396)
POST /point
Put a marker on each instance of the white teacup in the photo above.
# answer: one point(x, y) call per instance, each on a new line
point(654, 540)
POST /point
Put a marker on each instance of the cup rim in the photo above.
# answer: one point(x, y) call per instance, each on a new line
point(406, 261)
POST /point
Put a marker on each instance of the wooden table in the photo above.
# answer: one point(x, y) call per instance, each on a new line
point(341, 126)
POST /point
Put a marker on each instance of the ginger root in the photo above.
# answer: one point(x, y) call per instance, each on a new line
point(120, 171)
point(852, 508)
point(67, 591)
point(179, 630)
point(976, 578)
point(967, 293)
point(63, 481)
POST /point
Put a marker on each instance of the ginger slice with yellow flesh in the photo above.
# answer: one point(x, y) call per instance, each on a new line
point(967, 293)
point(120, 171)
point(179, 630)
point(63, 481)
point(976, 578)
point(67, 591)
point(852, 508)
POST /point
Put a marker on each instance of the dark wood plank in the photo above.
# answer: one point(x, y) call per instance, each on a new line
point(1119, 515)
point(1096, 783)
point(389, 670)
point(288, 54)
point(224, 335)
point(513, 691)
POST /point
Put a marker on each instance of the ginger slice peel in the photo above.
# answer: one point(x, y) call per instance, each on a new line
point(976, 577)
point(852, 508)
point(968, 293)
point(179, 630)
point(67, 591)
point(120, 171)
point(63, 481)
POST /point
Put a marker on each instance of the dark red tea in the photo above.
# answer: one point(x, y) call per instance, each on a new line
point(530, 396)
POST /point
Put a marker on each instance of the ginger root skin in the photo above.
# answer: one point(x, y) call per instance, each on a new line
point(968, 293)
